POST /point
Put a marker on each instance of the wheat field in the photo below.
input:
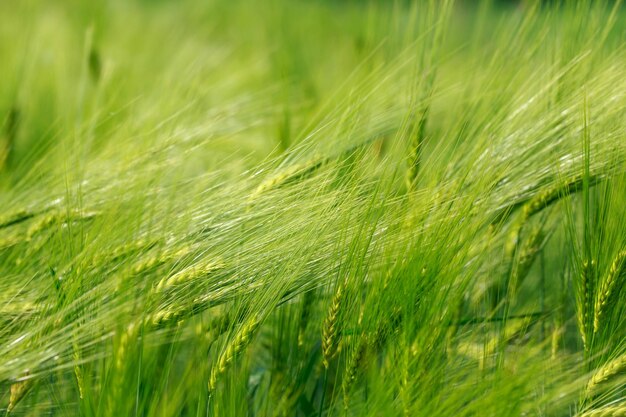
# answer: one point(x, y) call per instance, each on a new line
point(313, 208)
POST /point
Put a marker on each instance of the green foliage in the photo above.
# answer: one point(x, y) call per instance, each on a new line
point(310, 208)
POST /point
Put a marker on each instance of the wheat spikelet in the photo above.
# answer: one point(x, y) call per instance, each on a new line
point(16, 217)
point(386, 327)
point(10, 241)
point(557, 335)
point(78, 373)
point(606, 372)
point(147, 264)
point(527, 254)
point(19, 390)
point(165, 317)
point(40, 224)
point(543, 199)
point(330, 331)
point(124, 250)
point(22, 308)
point(585, 300)
point(156, 260)
point(352, 367)
point(57, 217)
point(553, 194)
point(513, 238)
point(123, 345)
point(615, 274)
point(169, 315)
point(222, 324)
point(305, 314)
point(404, 389)
point(189, 274)
point(236, 346)
point(8, 135)
point(286, 392)
point(174, 315)
point(415, 151)
point(611, 411)
point(120, 358)
point(292, 173)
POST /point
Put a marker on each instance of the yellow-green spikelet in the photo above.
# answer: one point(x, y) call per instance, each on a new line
point(330, 331)
point(234, 348)
point(616, 271)
point(189, 274)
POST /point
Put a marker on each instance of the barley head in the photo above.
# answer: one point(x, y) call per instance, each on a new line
point(585, 297)
point(330, 331)
point(19, 390)
point(607, 288)
point(352, 367)
point(606, 372)
point(241, 340)
point(609, 411)
point(189, 274)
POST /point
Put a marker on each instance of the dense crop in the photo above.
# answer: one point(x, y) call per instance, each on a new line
point(312, 208)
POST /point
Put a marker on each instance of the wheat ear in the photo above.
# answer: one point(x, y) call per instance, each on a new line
point(606, 372)
point(528, 252)
point(57, 217)
point(330, 331)
point(352, 368)
point(292, 173)
point(78, 373)
point(305, 315)
point(553, 194)
point(16, 217)
point(404, 388)
point(122, 348)
point(585, 300)
point(612, 411)
point(613, 278)
point(124, 250)
point(120, 360)
point(417, 133)
point(156, 260)
point(557, 336)
point(221, 324)
point(19, 390)
point(241, 340)
point(189, 274)
point(543, 199)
